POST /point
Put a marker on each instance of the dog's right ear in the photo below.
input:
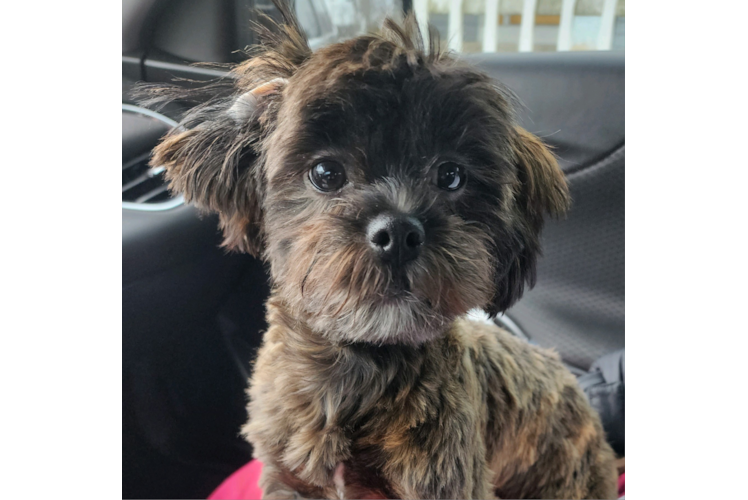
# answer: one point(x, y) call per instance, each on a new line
point(213, 156)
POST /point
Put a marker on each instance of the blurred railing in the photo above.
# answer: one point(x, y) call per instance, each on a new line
point(498, 15)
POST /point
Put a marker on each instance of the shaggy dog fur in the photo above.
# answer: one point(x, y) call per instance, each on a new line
point(369, 381)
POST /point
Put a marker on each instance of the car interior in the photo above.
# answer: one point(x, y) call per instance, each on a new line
point(193, 314)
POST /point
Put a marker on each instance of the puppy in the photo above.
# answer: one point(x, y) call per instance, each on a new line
point(390, 190)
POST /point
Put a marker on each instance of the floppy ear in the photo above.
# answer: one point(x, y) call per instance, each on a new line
point(544, 186)
point(542, 190)
point(213, 157)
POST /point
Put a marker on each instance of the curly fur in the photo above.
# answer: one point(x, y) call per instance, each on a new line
point(365, 364)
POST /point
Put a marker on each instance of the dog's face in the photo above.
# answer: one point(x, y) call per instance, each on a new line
point(389, 191)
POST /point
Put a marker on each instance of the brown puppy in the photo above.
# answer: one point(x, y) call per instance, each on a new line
point(390, 190)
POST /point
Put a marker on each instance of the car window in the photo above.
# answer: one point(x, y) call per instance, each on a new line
point(485, 25)
point(323, 18)
point(308, 18)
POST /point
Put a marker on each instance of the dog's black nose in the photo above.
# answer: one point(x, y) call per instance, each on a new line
point(396, 238)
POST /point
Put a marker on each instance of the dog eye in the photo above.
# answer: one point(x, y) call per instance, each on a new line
point(327, 176)
point(451, 176)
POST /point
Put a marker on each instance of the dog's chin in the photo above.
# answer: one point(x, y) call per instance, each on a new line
point(396, 317)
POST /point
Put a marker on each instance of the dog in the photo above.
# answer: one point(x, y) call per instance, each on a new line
point(390, 190)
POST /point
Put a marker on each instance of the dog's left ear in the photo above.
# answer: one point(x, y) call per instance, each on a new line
point(542, 190)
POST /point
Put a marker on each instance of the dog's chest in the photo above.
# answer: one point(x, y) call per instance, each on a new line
point(377, 411)
point(334, 425)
